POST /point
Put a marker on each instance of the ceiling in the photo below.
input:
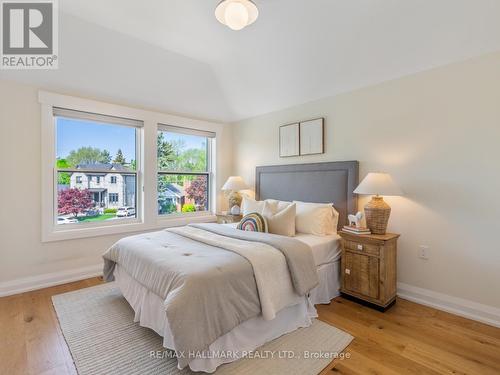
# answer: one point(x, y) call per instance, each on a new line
point(173, 55)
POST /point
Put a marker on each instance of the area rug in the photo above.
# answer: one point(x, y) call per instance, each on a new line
point(98, 326)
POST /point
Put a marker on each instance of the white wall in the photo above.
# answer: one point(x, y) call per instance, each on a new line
point(22, 254)
point(438, 134)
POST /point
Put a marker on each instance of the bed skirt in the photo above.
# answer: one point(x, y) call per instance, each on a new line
point(248, 336)
point(329, 284)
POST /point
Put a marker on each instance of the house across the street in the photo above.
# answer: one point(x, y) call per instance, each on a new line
point(109, 184)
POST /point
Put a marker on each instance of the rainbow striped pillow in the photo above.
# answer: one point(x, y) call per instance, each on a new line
point(253, 222)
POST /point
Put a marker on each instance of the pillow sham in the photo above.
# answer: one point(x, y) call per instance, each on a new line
point(320, 219)
point(335, 220)
point(249, 205)
point(282, 222)
point(278, 205)
point(253, 222)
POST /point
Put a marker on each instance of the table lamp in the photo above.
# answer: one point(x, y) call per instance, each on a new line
point(234, 184)
point(377, 211)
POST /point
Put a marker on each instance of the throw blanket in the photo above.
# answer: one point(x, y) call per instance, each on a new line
point(212, 283)
point(298, 255)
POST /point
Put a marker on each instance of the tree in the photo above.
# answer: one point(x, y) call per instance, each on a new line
point(119, 158)
point(74, 201)
point(197, 190)
point(106, 156)
point(167, 152)
point(88, 155)
point(166, 155)
point(193, 159)
point(63, 178)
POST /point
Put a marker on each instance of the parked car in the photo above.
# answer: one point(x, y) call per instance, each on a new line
point(66, 220)
point(125, 211)
point(92, 212)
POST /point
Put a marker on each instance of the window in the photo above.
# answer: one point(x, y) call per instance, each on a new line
point(94, 146)
point(113, 179)
point(113, 198)
point(125, 148)
point(184, 170)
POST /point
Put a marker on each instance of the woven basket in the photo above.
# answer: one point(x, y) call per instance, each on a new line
point(377, 214)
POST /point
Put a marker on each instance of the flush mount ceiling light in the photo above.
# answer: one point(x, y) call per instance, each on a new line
point(236, 14)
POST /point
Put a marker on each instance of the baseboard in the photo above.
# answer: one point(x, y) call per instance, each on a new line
point(30, 283)
point(458, 306)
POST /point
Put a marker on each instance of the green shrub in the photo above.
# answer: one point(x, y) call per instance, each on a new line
point(188, 208)
point(166, 208)
point(110, 211)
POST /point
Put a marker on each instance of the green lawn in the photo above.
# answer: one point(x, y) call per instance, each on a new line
point(96, 218)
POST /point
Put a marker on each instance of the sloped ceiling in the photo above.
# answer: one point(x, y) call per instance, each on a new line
point(173, 55)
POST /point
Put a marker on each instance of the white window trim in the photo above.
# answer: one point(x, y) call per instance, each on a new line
point(211, 170)
point(147, 181)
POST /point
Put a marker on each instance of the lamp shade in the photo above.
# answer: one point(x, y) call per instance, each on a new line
point(235, 183)
point(378, 184)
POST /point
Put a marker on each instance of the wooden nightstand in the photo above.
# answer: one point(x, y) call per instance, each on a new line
point(368, 267)
point(228, 218)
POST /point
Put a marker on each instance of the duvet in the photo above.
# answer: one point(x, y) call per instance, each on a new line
point(213, 278)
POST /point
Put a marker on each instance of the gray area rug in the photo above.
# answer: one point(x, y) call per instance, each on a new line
point(98, 326)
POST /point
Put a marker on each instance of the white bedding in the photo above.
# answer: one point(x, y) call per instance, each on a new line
point(251, 334)
point(326, 249)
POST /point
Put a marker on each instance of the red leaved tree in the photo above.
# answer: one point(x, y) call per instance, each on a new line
point(197, 190)
point(74, 201)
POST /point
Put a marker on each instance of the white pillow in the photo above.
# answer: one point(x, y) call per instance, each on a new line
point(335, 223)
point(282, 222)
point(249, 205)
point(279, 205)
point(319, 219)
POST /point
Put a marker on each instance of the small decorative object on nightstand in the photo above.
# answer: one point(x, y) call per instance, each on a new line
point(227, 218)
point(377, 211)
point(368, 267)
point(234, 184)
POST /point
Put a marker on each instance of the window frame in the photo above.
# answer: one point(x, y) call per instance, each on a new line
point(115, 197)
point(147, 180)
point(210, 172)
point(95, 175)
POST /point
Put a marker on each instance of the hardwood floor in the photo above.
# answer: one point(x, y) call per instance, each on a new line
point(407, 339)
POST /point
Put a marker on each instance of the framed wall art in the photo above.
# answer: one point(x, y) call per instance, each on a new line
point(289, 140)
point(312, 137)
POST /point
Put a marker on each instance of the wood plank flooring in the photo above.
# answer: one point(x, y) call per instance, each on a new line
point(407, 339)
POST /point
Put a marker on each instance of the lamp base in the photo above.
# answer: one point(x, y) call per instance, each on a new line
point(235, 199)
point(377, 215)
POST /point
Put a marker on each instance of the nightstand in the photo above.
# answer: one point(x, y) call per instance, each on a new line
point(228, 218)
point(368, 267)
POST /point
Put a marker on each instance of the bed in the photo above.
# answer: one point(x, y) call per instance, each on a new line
point(215, 293)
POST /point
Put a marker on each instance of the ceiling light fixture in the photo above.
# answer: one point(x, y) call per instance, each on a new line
point(236, 14)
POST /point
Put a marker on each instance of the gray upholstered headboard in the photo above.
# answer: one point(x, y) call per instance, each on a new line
point(318, 182)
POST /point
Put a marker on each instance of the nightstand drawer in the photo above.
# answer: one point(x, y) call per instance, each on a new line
point(362, 247)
